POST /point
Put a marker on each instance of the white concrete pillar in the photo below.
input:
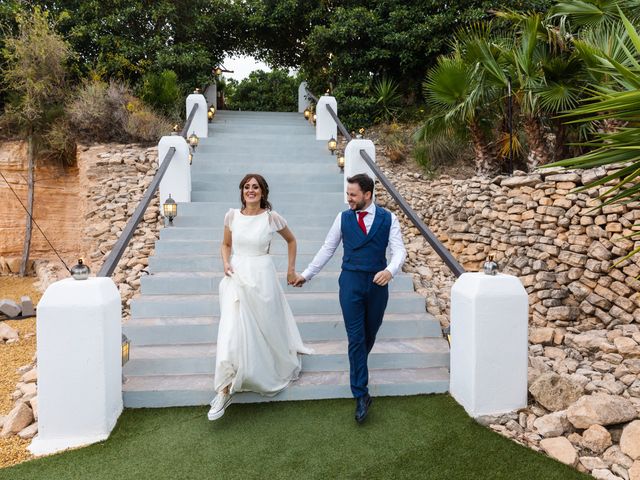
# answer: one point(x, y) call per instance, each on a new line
point(200, 122)
point(177, 178)
point(489, 320)
point(79, 348)
point(303, 99)
point(211, 94)
point(353, 161)
point(326, 126)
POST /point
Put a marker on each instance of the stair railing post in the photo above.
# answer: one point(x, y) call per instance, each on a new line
point(200, 123)
point(211, 95)
point(353, 161)
point(326, 126)
point(303, 99)
point(489, 348)
point(177, 179)
point(79, 336)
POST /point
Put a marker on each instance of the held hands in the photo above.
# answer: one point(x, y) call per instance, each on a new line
point(382, 278)
point(297, 281)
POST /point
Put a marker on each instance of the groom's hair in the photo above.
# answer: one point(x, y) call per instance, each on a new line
point(364, 181)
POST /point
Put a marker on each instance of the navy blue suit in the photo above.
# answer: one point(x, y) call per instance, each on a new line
point(363, 302)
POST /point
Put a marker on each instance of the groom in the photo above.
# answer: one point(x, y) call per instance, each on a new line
point(366, 231)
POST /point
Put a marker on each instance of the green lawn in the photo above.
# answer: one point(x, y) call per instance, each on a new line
point(425, 437)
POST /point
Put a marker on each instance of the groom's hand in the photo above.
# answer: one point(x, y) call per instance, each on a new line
point(299, 281)
point(382, 278)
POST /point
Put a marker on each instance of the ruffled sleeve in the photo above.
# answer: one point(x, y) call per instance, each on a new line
point(228, 218)
point(276, 221)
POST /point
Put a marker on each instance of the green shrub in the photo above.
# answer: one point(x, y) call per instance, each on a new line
point(161, 91)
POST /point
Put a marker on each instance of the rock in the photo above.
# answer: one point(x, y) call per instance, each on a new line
point(525, 181)
point(591, 463)
point(596, 438)
point(634, 471)
point(625, 345)
point(17, 419)
point(27, 306)
point(600, 409)
point(554, 392)
point(552, 425)
point(9, 308)
point(30, 377)
point(7, 332)
point(561, 449)
point(630, 440)
point(34, 407)
point(542, 335)
point(593, 340)
point(29, 432)
point(604, 474)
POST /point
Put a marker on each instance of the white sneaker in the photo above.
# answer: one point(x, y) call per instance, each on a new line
point(218, 405)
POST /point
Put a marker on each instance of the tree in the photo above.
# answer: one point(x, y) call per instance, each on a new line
point(274, 91)
point(35, 78)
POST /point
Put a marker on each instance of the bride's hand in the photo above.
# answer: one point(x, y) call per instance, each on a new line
point(291, 277)
point(228, 270)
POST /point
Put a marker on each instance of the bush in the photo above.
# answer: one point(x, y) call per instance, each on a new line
point(102, 112)
point(161, 91)
point(274, 91)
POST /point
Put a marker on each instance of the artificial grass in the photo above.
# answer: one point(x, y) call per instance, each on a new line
point(425, 437)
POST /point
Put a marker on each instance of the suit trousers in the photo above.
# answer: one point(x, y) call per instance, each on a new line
point(363, 304)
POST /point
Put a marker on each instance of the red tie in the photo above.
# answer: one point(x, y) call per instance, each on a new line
point(361, 221)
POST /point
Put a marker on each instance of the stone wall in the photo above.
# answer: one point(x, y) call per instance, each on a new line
point(564, 246)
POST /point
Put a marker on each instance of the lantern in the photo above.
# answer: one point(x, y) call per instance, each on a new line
point(193, 140)
point(80, 271)
point(332, 145)
point(170, 209)
point(341, 162)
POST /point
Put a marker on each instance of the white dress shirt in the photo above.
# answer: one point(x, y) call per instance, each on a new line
point(334, 237)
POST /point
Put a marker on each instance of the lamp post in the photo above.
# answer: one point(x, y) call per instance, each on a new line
point(170, 209)
point(332, 145)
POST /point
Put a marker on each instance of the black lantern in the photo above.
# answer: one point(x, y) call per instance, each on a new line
point(126, 345)
point(193, 140)
point(307, 113)
point(314, 118)
point(170, 209)
point(341, 162)
point(332, 145)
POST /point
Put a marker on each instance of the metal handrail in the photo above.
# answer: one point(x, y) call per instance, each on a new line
point(187, 124)
point(110, 264)
point(311, 95)
point(446, 256)
point(119, 247)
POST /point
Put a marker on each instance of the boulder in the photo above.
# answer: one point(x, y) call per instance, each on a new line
point(604, 474)
point(9, 308)
point(600, 409)
point(591, 463)
point(555, 392)
point(593, 340)
point(30, 377)
point(552, 425)
point(561, 449)
point(596, 438)
point(29, 432)
point(20, 417)
point(542, 335)
point(630, 440)
point(634, 471)
point(34, 406)
point(7, 332)
point(615, 455)
point(27, 306)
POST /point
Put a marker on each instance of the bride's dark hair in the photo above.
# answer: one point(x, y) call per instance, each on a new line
point(264, 202)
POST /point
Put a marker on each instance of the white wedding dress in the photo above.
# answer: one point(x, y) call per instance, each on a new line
point(258, 339)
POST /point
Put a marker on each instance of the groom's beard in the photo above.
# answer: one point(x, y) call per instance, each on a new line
point(357, 205)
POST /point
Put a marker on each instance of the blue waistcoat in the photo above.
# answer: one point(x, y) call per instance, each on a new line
point(365, 253)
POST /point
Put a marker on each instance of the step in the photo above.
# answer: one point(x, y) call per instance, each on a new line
point(190, 330)
point(215, 233)
point(214, 219)
point(213, 263)
point(219, 209)
point(318, 179)
point(328, 356)
point(236, 164)
point(300, 303)
point(312, 198)
point(188, 390)
point(332, 186)
point(212, 247)
point(184, 283)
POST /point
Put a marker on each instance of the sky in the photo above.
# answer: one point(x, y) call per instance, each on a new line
point(242, 66)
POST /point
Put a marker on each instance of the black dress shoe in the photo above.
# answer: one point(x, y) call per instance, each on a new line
point(362, 407)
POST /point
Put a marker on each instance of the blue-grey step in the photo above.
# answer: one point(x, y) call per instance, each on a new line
point(309, 197)
point(190, 330)
point(307, 304)
point(232, 181)
point(207, 233)
point(183, 283)
point(328, 356)
point(213, 263)
point(213, 220)
point(219, 209)
point(290, 186)
point(187, 390)
point(212, 247)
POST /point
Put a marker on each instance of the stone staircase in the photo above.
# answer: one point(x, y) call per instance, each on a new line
point(174, 322)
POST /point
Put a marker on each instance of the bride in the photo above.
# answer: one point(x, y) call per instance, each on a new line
point(258, 341)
